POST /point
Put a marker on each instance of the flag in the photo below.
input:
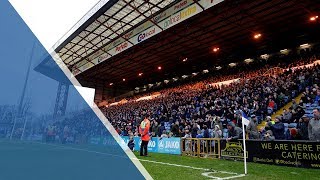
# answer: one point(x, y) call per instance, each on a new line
point(244, 118)
point(245, 121)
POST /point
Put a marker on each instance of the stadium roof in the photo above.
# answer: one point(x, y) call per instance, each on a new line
point(229, 25)
point(105, 22)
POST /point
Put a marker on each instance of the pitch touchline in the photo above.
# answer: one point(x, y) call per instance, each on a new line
point(235, 175)
point(206, 174)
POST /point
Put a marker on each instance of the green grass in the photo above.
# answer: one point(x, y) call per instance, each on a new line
point(255, 170)
point(17, 161)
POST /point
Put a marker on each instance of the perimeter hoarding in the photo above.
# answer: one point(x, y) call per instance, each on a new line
point(304, 154)
point(155, 145)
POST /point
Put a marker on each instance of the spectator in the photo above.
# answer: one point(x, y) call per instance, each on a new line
point(302, 127)
point(234, 133)
point(314, 126)
point(217, 132)
point(194, 131)
point(278, 129)
point(287, 115)
point(268, 136)
point(199, 134)
point(291, 133)
point(175, 130)
point(252, 129)
point(131, 143)
point(164, 134)
point(206, 133)
point(317, 98)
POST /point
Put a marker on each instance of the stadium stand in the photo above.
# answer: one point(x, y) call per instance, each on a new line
point(194, 106)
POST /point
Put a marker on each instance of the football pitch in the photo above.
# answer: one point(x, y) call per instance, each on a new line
point(30, 161)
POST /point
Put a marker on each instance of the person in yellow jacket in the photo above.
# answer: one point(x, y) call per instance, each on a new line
point(145, 137)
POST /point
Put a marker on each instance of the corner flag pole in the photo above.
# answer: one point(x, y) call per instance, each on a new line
point(244, 149)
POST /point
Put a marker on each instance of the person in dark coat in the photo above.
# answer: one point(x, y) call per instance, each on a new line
point(278, 129)
point(302, 127)
point(161, 129)
point(131, 143)
point(234, 133)
point(206, 133)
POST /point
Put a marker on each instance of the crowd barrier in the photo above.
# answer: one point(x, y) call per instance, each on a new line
point(304, 154)
point(204, 147)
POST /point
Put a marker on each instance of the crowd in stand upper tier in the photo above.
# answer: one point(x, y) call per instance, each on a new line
point(198, 109)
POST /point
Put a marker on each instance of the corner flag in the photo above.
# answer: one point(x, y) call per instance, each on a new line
point(245, 121)
point(244, 118)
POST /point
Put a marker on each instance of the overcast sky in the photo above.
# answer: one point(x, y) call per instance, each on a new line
point(51, 19)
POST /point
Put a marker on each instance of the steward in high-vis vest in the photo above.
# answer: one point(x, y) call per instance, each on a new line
point(145, 137)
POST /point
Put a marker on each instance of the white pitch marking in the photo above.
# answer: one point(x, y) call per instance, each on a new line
point(234, 175)
point(207, 174)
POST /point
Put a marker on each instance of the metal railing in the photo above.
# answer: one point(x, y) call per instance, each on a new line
point(201, 147)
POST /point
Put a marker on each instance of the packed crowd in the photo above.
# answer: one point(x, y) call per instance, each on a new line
point(198, 109)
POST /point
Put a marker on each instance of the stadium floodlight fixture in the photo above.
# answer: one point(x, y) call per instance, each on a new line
point(159, 67)
point(257, 35)
point(265, 56)
point(194, 74)
point(284, 51)
point(140, 74)
point(249, 60)
point(216, 49)
point(123, 79)
point(184, 76)
point(185, 59)
point(111, 84)
point(305, 46)
point(205, 71)
point(218, 67)
point(313, 18)
point(232, 64)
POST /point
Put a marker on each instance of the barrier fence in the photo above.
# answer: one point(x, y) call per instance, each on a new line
point(204, 147)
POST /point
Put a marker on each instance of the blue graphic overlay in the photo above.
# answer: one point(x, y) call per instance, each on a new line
point(45, 124)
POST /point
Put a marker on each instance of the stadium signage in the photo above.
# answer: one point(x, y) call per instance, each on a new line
point(146, 34)
point(170, 17)
point(121, 47)
point(169, 145)
point(182, 15)
point(128, 35)
point(157, 145)
point(233, 150)
point(285, 153)
point(180, 5)
point(157, 18)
